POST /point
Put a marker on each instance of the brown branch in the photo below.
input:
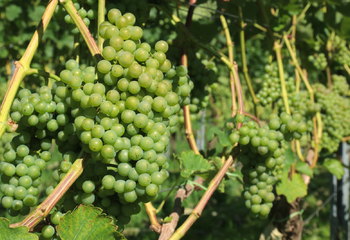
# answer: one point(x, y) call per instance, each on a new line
point(189, 131)
point(169, 228)
point(251, 116)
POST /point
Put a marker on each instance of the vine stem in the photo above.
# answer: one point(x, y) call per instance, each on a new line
point(46, 206)
point(43, 73)
point(22, 66)
point(299, 18)
point(189, 131)
point(296, 142)
point(317, 120)
point(232, 66)
point(347, 68)
point(229, 44)
point(298, 150)
point(277, 48)
point(297, 81)
point(100, 19)
point(90, 41)
point(297, 66)
point(244, 58)
point(152, 215)
point(197, 211)
point(169, 228)
point(234, 69)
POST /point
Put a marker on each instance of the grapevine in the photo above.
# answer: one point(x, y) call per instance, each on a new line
point(157, 119)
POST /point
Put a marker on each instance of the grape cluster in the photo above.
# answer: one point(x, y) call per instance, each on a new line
point(270, 90)
point(319, 61)
point(262, 154)
point(127, 117)
point(341, 52)
point(335, 112)
point(119, 115)
point(40, 117)
point(86, 15)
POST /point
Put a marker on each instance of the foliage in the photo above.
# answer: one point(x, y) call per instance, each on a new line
point(15, 233)
point(123, 112)
point(86, 223)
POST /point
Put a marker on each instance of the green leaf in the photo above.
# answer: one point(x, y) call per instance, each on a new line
point(292, 188)
point(222, 136)
point(12, 12)
point(191, 163)
point(334, 166)
point(290, 158)
point(87, 223)
point(303, 167)
point(205, 10)
point(344, 27)
point(36, 13)
point(7, 233)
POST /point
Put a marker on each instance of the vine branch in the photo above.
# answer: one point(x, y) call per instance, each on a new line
point(244, 58)
point(229, 44)
point(23, 64)
point(317, 120)
point(43, 73)
point(152, 215)
point(277, 48)
point(100, 19)
point(169, 228)
point(90, 41)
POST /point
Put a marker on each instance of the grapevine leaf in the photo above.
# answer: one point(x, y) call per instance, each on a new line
point(344, 26)
point(292, 188)
point(192, 163)
point(205, 10)
point(87, 223)
point(334, 166)
point(290, 158)
point(36, 13)
point(303, 167)
point(223, 138)
point(12, 12)
point(119, 236)
point(8, 233)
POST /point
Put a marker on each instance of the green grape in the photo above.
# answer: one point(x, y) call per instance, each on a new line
point(48, 231)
